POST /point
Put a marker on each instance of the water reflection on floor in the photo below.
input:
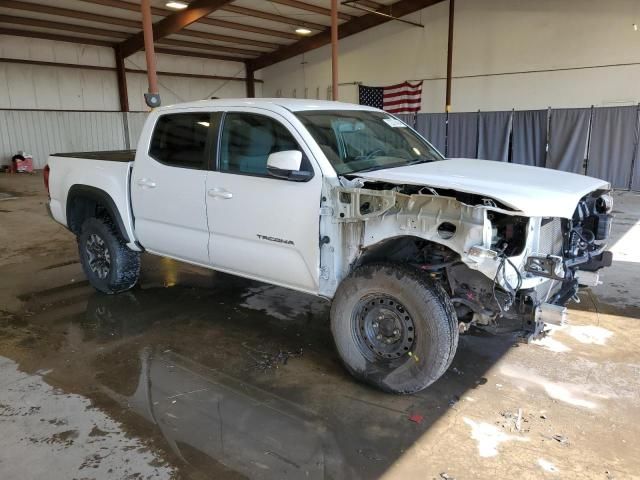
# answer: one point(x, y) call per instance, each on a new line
point(232, 376)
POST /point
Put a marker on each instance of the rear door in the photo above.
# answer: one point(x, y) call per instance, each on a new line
point(263, 227)
point(168, 186)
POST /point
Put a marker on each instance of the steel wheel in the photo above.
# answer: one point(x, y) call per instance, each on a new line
point(393, 327)
point(382, 327)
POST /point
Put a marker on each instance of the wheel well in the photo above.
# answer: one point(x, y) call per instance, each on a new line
point(411, 250)
point(85, 202)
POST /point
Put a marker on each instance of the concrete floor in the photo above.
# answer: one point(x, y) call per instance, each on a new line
point(178, 378)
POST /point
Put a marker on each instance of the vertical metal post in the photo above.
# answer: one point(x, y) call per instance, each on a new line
point(587, 148)
point(122, 81)
point(147, 28)
point(547, 147)
point(334, 49)
point(250, 80)
point(125, 128)
point(636, 146)
point(452, 6)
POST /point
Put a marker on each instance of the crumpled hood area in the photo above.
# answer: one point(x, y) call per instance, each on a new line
point(534, 191)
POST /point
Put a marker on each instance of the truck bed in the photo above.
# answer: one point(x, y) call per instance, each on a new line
point(101, 175)
point(108, 155)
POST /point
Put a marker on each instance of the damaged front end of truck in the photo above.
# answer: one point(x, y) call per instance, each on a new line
point(503, 269)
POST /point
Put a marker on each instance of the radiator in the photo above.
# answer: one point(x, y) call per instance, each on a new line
point(550, 240)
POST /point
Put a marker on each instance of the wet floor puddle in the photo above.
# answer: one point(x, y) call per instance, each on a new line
point(218, 374)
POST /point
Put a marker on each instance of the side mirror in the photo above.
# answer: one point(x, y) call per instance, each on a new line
point(286, 164)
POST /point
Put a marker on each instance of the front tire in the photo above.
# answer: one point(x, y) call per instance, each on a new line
point(110, 266)
point(394, 328)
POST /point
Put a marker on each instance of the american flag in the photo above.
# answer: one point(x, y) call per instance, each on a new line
point(400, 99)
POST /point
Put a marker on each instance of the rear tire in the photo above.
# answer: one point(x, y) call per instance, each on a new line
point(394, 328)
point(110, 266)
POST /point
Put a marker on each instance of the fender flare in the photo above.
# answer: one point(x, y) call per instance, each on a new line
point(99, 196)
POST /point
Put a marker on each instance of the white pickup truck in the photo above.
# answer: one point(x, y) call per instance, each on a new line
point(345, 202)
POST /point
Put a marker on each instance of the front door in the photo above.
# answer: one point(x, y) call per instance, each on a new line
point(261, 226)
point(168, 186)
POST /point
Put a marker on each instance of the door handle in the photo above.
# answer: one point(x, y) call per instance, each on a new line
point(146, 183)
point(220, 193)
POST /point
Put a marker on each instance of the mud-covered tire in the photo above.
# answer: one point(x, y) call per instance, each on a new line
point(418, 360)
point(120, 270)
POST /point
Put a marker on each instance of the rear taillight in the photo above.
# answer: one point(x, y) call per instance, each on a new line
point(45, 175)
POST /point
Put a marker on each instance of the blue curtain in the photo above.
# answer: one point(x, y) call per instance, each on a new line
point(462, 135)
point(614, 136)
point(568, 133)
point(433, 127)
point(408, 118)
point(635, 174)
point(611, 134)
point(494, 132)
point(529, 144)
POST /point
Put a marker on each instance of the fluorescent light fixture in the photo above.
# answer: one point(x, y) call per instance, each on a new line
point(303, 31)
point(177, 5)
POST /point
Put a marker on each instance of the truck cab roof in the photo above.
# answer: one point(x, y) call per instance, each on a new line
point(291, 104)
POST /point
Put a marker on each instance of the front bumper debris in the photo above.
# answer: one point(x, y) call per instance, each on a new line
point(551, 314)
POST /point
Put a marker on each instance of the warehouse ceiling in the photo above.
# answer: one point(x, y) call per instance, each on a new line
point(261, 32)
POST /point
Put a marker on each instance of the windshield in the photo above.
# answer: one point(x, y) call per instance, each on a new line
point(357, 140)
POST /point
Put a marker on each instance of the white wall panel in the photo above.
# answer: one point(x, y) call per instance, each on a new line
point(45, 87)
point(181, 89)
point(185, 64)
point(52, 51)
point(70, 53)
point(492, 39)
point(70, 87)
point(19, 86)
point(4, 87)
point(184, 89)
point(41, 50)
point(516, 35)
point(570, 89)
point(58, 88)
point(433, 95)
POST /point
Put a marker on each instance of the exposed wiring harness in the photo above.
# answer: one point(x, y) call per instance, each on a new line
point(585, 243)
point(511, 291)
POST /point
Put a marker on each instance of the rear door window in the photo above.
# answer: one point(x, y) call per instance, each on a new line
point(184, 139)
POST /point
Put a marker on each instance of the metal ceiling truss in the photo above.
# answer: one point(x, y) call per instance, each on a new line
point(257, 53)
point(358, 4)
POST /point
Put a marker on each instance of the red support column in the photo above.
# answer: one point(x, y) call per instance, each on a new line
point(147, 27)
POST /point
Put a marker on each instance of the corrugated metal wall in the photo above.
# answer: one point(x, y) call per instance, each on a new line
point(41, 133)
point(135, 122)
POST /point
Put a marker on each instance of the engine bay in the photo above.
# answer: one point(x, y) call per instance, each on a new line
point(503, 271)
